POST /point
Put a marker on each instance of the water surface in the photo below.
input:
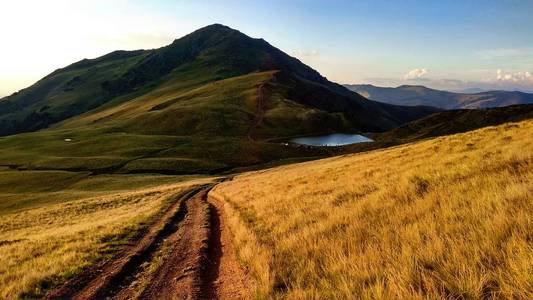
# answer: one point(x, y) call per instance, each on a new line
point(336, 139)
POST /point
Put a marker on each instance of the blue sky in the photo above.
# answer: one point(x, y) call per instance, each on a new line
point(443, 44)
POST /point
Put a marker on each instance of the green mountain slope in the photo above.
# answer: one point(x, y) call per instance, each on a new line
point(413, 95)
point(175, 131)
point(64, 93)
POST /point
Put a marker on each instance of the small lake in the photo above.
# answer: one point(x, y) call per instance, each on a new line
point(336, 139)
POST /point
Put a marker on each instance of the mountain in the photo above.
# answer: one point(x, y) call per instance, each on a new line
point(211, 54)
point(209, 101)
point(420, 95)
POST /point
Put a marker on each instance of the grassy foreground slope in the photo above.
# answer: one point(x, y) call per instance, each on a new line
point(450, 217)
point(53, 223)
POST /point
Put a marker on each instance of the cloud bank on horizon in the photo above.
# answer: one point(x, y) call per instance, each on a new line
point(502, 80)
point(415, 74)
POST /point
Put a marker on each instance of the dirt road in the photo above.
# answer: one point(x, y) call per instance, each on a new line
point(260, 112)
point(186, 254)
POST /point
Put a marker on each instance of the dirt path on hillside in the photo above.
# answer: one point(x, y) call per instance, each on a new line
point(179, 277)
point(258, 118)
point(187, 254)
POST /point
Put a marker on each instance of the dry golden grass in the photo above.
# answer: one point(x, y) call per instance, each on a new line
point(45, 242)
point(450, 217)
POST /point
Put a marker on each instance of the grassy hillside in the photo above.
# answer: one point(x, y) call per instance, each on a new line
point(101, 148)
point(178, 130)
point(52, 224)
point(208, 102)
point(226, 107)
point(421, 95)
point(100, 151)
point(443, 218)
point(170, 130)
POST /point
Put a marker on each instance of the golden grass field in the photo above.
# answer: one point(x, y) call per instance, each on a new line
point(52, 224)
point(446, 218)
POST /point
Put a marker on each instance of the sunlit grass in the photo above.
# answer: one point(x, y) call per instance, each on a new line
point(450, 217)
point(45, 241)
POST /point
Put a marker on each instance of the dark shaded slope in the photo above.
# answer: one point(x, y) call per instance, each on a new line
point(455, 121)
point(358, 113)
point(442, 124)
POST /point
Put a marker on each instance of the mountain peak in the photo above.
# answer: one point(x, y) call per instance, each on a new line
point(214, 28)
point(226, 51)
point(210, 31)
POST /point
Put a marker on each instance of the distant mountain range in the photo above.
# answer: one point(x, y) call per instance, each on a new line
point(472, 90)
point(413, 95)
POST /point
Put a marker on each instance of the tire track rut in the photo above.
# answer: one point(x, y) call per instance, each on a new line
point(181, 278)
point(186, 254)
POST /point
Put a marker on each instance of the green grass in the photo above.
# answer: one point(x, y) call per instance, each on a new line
point(177, 131)
point(100, 151)
point(21, 190)
point(190, 107)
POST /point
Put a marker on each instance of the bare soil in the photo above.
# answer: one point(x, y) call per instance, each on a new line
point(226, 278)
point(186, 254)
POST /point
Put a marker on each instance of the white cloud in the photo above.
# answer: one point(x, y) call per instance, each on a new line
point(303, 53)
point(415, 74)
point(516, 77)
